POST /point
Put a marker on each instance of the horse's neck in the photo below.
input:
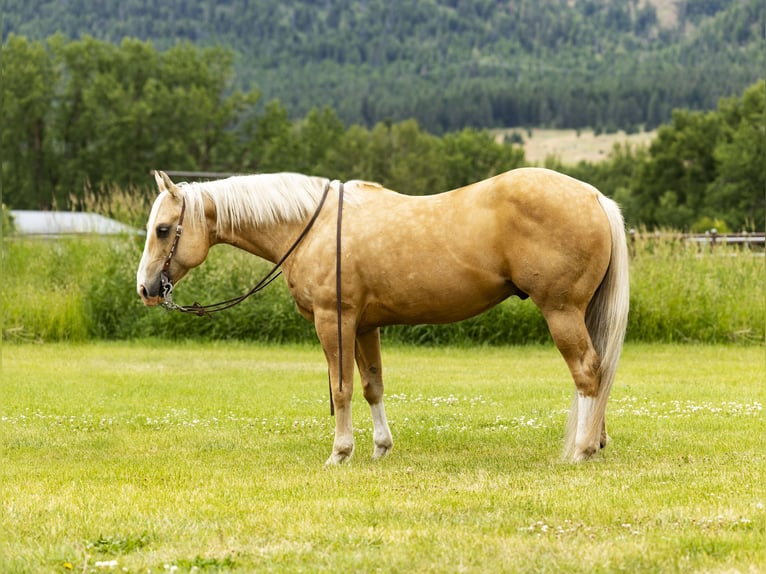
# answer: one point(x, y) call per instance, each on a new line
point(260, 236)
point(269, 242)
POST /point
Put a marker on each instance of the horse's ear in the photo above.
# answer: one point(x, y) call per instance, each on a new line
point(164, 183)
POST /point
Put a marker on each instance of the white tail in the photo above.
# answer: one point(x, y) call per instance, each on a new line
point(606, 320)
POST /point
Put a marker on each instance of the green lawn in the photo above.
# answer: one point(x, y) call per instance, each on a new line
point(138, 457)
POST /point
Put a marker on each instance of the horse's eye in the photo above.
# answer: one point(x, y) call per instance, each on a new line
point(163, 231)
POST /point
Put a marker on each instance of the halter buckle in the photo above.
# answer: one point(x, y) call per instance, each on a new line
point(166, 291)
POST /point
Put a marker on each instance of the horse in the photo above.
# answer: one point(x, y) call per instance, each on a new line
point(398, 259)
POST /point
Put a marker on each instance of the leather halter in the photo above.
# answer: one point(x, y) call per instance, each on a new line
point(166, 285)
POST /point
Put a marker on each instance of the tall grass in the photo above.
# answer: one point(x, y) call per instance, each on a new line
point(84, 288)
point(686, 292)
point(42, 296)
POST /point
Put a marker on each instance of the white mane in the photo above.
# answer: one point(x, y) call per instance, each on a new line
point(263, 199)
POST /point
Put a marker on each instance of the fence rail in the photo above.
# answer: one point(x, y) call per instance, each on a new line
point(710, 238)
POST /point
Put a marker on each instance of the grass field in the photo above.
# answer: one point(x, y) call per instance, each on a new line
point(158, 457)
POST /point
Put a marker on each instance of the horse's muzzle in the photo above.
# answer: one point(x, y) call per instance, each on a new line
point(150, 296)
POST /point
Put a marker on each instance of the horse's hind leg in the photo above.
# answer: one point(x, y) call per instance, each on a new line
point(571, 336)
point(371, 371)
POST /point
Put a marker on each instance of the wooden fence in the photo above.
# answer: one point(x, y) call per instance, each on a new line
point(711, 239)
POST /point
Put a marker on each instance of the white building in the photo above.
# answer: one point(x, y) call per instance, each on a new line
point(57, 223)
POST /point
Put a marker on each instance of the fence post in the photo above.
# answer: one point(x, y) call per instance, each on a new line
point(632, 245)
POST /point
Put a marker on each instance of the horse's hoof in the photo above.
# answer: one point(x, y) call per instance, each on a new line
point(336, 459)
point(381, 451)
point(583, 454)
point(339, 456)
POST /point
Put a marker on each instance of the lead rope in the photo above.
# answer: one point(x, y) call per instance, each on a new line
point(338, 287)
point(337, 299)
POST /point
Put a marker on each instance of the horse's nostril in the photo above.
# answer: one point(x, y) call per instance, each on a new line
point(144, 292)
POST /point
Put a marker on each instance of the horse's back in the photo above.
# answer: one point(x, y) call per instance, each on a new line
point(542, 194)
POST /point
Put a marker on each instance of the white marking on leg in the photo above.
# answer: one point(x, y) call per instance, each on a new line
point(343, 445)
point(381, 434)
point(585, 408)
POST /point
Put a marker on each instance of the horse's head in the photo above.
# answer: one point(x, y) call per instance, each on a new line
point(169, 253)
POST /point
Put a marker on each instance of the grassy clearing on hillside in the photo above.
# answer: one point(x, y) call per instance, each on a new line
point(185, 457)
point(572, 146)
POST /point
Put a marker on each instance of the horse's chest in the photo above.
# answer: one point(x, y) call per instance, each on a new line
point(303, 296)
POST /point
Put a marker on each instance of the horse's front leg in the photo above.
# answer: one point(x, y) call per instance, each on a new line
point(371, 371)
point(327, 331)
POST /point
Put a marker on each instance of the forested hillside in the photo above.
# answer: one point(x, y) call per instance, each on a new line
point(450, 64)
point(85, 121)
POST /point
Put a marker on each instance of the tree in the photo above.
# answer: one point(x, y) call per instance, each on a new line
point(472, 155)
point(85, 116)
point(202, 111)
point(317, 135)
point(350, 156)
point(414, 161)
point(737, 194)
point(273, 146)
point(25, 135)
point(678, 170)
point(82, 114)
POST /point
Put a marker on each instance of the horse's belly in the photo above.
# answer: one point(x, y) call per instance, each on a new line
point(416, 299)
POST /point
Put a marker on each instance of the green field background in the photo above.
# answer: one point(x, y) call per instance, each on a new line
point(84, 289)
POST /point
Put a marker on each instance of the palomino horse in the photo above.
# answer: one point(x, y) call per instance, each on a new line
point(529, 232)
